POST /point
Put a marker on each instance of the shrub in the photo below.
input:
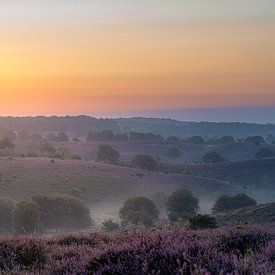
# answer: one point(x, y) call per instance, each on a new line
point(182, 204)
point(26, 217)
point(63, 212)
point(8, 134)
point(265, 153)
point(138, 210)
point(47, 149)
point(226, 202)
point(146, 162)
point(76, 139)
point(107, 153)
point(202, 222)
point(109, 225)
point(6, 209)
point(212, 157)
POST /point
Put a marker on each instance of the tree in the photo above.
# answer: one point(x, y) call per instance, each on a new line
point(6, 144)
point(182, 204)
point(47, 149)
point(51, 137)
point(36, 137)
point(107, 153)
point(138, 210)
point(202, 222)
point(254, 139)
point(63, 212)
point(227, 203)
point(265, 153)
point(8, 134)
point(146, 162)
point(212, 157)
point(6, 209)
point(62, 137)
point(196, 140)
point(26, 217)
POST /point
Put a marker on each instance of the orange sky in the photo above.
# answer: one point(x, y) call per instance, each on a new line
point(109, 61)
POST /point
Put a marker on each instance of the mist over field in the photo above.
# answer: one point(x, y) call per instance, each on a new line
point(137, 137)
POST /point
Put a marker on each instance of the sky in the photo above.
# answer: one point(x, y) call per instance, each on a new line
point(123, 56)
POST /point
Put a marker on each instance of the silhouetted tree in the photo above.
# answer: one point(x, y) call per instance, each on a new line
point(26, 217)
point(146, 162)
point(107, 153)
point(138, 210)
point(182, 204)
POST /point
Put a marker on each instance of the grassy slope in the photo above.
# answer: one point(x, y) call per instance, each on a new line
point(263, 213)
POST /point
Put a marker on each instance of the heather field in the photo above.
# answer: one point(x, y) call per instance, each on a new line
point(239, 250)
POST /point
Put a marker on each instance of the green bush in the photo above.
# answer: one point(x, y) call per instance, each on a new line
point(182, 204)
point(138, 210)
point(109, 225)
point(26, 217)
point(202, 222)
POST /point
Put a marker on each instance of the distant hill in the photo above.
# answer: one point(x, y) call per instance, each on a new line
point(81, 125)
point(263, 213)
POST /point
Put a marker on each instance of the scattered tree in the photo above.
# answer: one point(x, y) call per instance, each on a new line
point(182, 204)
point(63, 212)
point(196, 140)
point(146, 162)
point(62, 137)
point(107, 153)
point(138, 210)
point(26, 217)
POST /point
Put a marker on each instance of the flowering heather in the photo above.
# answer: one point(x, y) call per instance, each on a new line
point(241, 250)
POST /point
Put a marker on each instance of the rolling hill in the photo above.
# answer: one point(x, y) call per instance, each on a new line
point(104, 187)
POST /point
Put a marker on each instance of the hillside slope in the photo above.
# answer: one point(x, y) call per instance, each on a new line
point(263, 213)
point(103, 187)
